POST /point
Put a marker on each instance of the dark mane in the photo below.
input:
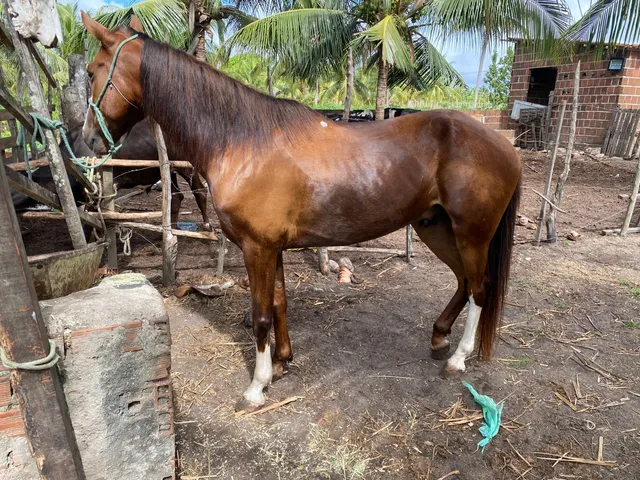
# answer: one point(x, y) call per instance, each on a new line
point(204, 113)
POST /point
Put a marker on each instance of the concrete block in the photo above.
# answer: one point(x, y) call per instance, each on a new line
point(116, 364)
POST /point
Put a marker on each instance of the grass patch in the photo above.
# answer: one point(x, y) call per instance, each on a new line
point(624, 283)
point(631, 324)
point(336, 459)
point(635, 292)
point(517, 362)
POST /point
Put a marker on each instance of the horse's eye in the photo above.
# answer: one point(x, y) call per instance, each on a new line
point(90, 75)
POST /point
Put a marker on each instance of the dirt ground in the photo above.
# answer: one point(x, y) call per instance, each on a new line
point(371, 403)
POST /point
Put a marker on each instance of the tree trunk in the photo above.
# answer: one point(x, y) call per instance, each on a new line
point(74, 95)
point(552, 234)
point(270, 80)
point(381, 93)
point(201, 49)
point(350, 80)
point(317, 92)
point(485, 44)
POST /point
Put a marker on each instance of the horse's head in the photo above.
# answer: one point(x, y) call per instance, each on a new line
point(119, 96)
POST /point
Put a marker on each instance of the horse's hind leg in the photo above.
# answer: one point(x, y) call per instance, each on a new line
point(282, 353)
point(200, 193)
point(176, 199)
point(473, 252)
point(437, 233)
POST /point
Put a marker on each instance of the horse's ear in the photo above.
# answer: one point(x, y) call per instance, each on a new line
point(98, 31)
point(136, 24)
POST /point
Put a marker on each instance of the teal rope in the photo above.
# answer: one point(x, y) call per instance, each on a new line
point(40, 124)
point(40, 364)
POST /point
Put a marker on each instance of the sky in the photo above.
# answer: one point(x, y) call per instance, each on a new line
point(463, 58)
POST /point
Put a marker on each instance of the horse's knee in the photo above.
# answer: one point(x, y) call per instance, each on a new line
point(262, 326)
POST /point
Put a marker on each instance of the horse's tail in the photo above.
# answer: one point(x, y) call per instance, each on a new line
point(498, 266)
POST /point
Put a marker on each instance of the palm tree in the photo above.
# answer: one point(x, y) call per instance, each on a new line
point(486, 22)
point(314, 36)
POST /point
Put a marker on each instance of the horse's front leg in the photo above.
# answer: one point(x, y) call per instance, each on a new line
point(261, 266)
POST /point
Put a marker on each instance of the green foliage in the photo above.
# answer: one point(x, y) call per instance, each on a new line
point(498, 79)
point(631, 324)
point(635, 292)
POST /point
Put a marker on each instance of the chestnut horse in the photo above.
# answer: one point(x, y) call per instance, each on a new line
point(282, 176)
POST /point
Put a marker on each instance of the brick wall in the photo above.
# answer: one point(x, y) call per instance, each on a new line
point(496, 119)
point(601, 91)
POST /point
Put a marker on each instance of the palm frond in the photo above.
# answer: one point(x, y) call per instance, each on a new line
point(385, 34)
point(430, 68)
point(609, 21)
point(308, 41)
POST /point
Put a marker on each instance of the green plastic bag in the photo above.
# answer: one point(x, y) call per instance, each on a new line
point(492, 414)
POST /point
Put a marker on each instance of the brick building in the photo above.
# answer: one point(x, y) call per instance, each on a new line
point(603, 88)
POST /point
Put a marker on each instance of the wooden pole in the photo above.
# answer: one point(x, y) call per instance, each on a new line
point(222, 251)
point(323, 260)
point(158, 228)
point(632, 199)
point(409, 243)
point(552, 164)
point(108, 192)
point(56, 163)
point(24, 338)
point(552, 234)
point(547, 120)
point(169, 240)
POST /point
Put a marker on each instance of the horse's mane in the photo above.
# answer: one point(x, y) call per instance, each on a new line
point(205, 113)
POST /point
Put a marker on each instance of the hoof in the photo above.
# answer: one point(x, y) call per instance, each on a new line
point(449, 371)
point(247, 406)
point(440, 353)
point(280, 368)
point(207, 227)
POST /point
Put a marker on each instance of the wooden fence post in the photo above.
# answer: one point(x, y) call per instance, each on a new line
point(24, 338)
point(633, 198)
point(169, 240)
point(109, 205)
point(552, 164)
point(323, 260)
point(552, 234)
point(409, 243)
point(36, 94)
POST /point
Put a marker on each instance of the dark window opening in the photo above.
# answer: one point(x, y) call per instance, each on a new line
point(542, 81)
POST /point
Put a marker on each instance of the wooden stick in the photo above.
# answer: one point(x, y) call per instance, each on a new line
point(614, 231)
point(450, 474)
point(169, 240)
point(273, 406)
point(587, 461)
point(518, 453)
point(106, 215)
point(600, 448)
point(158, 228)
point(114, 162)
point(548, 201)
point(552, 163)
point(390, 251)
point(632, 199)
